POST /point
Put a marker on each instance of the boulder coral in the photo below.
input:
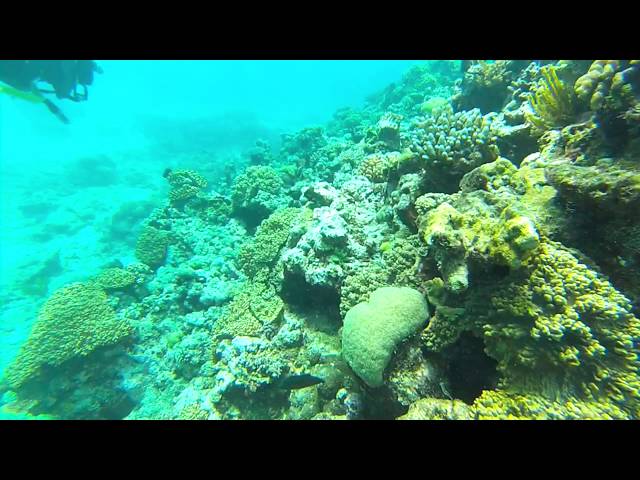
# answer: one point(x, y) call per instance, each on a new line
point(374, 329)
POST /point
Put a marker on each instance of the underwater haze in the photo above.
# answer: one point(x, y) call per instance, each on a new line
point(221, 240)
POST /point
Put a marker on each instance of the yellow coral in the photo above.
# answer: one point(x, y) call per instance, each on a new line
point(552, 103)
point(75, 321)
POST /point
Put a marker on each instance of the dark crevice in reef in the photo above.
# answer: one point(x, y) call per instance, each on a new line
point(381, 404)
point(469, 369)
point(299, 294)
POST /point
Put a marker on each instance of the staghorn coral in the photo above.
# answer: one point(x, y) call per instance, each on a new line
point(74, 322)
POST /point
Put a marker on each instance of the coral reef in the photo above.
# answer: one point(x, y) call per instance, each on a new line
point(552, 103)
point(464, 245)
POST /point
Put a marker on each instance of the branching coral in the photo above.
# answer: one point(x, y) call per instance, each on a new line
point(451, 144)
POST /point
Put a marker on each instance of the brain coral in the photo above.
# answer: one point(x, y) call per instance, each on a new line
point(372, 330)
point(75, 321)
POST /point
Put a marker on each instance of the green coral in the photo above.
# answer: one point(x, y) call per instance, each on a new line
point(255, 307)
point(357, 286)
point(558, 330)
point(74, 322)
point(496, 219)
point(372, 330)
point(454, 236)
point(193, 412)
point(151, 248)
point(256, 193)
point(185, 184)
point(115, 279)
point(499, 405)
point(270, 237)
point(403, 258)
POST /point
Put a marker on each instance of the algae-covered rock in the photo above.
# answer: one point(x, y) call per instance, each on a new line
point(438, 409)
point(372, 330)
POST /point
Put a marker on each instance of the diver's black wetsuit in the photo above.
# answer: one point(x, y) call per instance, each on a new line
point(63, 75)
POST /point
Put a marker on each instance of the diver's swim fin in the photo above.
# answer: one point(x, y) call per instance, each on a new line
point(34, 97)
point(56, 111)
point(21, 94)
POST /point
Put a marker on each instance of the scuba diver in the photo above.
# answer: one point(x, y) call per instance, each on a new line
point(21, 78)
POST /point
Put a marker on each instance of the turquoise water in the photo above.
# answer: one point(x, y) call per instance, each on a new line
point(136, 109)
point(323, 240)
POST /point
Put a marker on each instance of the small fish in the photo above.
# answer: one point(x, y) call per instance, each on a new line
point(295, 382)
point(445, 391)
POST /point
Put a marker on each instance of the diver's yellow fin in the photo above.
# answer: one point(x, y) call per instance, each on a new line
point(27, 96)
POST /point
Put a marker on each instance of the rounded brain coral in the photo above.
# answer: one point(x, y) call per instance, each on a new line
point(372, 330)
point(75, 321)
